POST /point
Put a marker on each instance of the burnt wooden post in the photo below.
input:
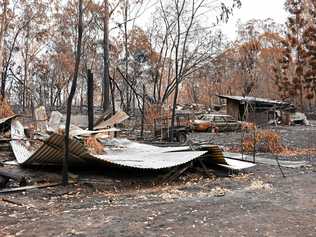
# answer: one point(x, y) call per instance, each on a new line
point(254, 143)
point(112, 86)
point(254, 133)
point(143, 114)
point(90, 98)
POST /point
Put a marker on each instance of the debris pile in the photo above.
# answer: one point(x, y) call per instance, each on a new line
point(43, 144)
point(94, 146)
point(6, 116)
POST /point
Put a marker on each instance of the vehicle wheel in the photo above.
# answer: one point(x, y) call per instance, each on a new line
point(182, 138)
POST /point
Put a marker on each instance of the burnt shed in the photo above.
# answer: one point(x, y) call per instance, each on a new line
point(253, 109)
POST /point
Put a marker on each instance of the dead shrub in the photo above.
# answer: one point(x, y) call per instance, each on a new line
point(155, 113)
point(266, 141)
point(5, 109)
point(94, 146)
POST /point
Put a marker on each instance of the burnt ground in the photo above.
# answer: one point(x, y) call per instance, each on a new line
point(296, 137)
point(102, 202)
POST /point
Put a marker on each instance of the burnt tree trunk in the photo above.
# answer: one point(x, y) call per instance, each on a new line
point(71, 95)
point(126, 88)
point(112, 86)
point(26, 63)
point(143, 114)
point(90, 99)
point(3, 82)
point(3, 27)
point(106, 74)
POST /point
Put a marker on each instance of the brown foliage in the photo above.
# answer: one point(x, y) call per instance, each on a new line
point(94, 146)
point(5, 109)
point(266, 141)
point(155, 113)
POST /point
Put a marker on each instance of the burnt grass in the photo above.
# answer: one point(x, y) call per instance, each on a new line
point(106, 202)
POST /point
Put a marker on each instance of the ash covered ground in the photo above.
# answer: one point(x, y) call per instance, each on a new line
point(257, 202)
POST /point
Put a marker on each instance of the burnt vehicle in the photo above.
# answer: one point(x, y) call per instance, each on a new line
point(181, 129)
point(215, 123)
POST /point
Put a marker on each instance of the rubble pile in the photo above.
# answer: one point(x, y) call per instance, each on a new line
point(42, 143)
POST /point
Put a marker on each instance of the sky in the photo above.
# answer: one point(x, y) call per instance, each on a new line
point(255, 9)
point(250, 9)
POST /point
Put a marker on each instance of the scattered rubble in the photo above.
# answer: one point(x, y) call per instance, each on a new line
point(6, 175)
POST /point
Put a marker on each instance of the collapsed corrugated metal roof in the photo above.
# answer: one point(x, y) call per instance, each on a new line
point(123, 153)
point(134, 155)
point(120, 152)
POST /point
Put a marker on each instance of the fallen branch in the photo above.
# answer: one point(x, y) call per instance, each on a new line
point(37, 186)
point(11, 202)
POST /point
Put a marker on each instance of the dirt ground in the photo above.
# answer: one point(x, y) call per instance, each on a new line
point(258, 202)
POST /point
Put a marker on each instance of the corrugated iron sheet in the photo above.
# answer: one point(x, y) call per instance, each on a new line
point(133, 155)
point(120, 152)
point(252, 99)
point(51, 152)
point(237, 164)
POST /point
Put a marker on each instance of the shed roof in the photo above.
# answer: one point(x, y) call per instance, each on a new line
point(251, 99)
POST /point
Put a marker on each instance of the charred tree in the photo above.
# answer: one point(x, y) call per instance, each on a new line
point(106, 74)
point(309, 37)
point(126, 69)
point(72, 93)
point(143, 113)
point(290, 74)
point(90, 99)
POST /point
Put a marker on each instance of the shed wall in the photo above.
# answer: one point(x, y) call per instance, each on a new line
point(233, 109)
